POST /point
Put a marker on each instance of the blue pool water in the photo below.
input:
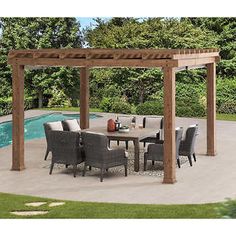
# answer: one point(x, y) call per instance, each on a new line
point(34, 126)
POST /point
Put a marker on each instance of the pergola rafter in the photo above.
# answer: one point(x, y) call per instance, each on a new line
point(169, 60)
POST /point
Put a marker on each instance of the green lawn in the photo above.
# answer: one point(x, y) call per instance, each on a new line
point(229, 117)
point(74, 209)
point(76, 109)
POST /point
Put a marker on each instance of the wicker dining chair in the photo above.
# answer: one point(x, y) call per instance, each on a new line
point(187, 146)
point(155, 151)
point(126, 120)
point(57, 125)
point(66, 149)
point(154, 123)
point(99, 155)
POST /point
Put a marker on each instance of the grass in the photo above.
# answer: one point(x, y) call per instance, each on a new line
point(79, 210)
point(229, 117)
point(76, 109)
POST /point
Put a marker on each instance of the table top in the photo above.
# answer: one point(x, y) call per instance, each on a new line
point(135, 133)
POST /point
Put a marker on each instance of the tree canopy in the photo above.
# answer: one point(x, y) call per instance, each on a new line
point(60, 86)
point(35, 33)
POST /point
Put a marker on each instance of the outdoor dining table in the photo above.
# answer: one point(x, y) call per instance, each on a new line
point(134, 134)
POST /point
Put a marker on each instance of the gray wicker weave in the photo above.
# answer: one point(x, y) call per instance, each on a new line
point(155, 151)
point(48, 127)
point(98, 154)
point(155, 123)
point(126, 120)
point(66, 149)
point(187, 145)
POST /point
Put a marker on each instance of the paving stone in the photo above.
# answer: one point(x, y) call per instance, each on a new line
point(35, 204)
point(29, 213)
point(53, 204)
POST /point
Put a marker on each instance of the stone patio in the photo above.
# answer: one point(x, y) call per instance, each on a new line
point(211, 179)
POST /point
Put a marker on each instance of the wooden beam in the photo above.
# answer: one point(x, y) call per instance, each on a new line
point(18, 118)
point(211, 109)
point(94, 62)
point(195, 55)
point(178, 69)
point(169, 126)
point(84, 97)
point(196, 61)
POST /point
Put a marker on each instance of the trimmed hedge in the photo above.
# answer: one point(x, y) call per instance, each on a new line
point(225, 93)
point(150, 108)
point(6, 105)
point(190, 101)
point(182, 110)
point(228, 107)
point(115, 105)
point(121, 107)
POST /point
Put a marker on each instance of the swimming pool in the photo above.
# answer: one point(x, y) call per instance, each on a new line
point(34, 126)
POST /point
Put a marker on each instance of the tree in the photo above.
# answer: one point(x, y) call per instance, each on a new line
point(35, 33)
point(225, 31)
point(139, 84)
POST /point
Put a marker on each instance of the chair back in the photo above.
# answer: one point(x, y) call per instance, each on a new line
point(178, 137)
point(190, 138)
point(153, 122)
point(65, 147)
point(95, 146)
point(126, 120)
point(57, 125)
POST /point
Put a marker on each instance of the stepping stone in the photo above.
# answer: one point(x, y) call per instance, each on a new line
point(35, 204)
point(29, 213)
point(53, 204)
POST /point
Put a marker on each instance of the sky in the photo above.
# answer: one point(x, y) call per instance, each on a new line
point(87, 21)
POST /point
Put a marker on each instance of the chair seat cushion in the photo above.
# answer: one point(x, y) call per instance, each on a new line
point(71, 125)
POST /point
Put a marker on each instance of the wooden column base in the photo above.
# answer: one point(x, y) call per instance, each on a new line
point(169, 181)
point(18, 168)
point(211, 153)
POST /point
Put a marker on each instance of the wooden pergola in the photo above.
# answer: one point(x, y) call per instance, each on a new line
point(169, 60)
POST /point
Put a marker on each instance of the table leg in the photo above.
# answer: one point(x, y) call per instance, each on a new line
point(136, 155)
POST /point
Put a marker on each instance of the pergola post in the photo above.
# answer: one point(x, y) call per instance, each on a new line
point(169, 126)
point(211, 109)
point(84, 97)
point(18, 118)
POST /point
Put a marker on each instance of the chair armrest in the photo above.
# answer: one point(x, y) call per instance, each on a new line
point(116, 152)
point(156, 149)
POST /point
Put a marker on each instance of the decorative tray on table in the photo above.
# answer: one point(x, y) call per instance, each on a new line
point(124, 129)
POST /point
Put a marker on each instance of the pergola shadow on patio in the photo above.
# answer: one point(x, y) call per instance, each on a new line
point(169, 60)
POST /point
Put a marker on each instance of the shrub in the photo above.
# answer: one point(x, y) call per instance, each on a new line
point(150, 108)
point(116, 105)
point(184, 109)
point(94, 102)
point(228, 209)
point(6, 105)
point(190, 100)
point(225, 91)
point(58, 99)
point(106, 104)
point(228, 107)
point(121, 106)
